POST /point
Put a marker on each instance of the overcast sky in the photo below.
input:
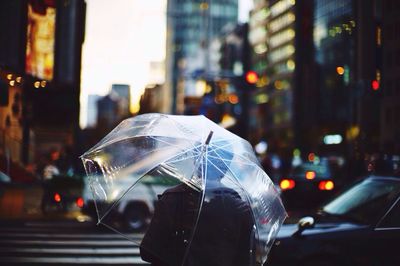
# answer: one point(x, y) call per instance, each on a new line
point(122, 37)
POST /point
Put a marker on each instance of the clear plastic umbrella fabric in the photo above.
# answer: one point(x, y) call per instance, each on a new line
point(185, 190)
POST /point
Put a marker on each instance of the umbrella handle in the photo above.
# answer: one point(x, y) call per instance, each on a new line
point(209, 137)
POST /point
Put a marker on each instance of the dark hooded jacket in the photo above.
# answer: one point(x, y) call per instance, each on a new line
point(221, 236)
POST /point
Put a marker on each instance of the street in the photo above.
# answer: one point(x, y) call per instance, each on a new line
point(61, 242)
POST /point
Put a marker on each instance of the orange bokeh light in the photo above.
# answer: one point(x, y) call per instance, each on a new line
point(340, 70)
point(310, 175)
point(252, 77)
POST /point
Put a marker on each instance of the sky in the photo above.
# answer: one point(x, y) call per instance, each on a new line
point(122, 37)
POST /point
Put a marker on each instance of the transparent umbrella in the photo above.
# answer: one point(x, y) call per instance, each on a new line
point(185, 190)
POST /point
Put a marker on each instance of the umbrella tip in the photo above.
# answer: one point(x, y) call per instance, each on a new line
point(209, 137)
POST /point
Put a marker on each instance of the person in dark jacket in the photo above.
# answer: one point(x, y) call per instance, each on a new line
point(188, 229)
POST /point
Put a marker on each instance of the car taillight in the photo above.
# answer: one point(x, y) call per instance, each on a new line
point(310, 175)
point(286, 184)
point(326, 185)
point(79, 202)
point(57, 197)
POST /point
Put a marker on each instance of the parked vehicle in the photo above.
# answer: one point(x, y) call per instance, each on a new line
point(62, 193)
point(134, 209)
point(360, 226)
point(309, 184)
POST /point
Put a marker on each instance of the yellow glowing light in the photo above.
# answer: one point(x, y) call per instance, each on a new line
point(278, 84)
point(19, 79)
point(201, 87)
point(287, 184)
point(326, 185)
point(329, 185)
point(9, 76)
point(340, 70)
point(290, 64)
point(36, 84)
point(43, 83)
point(208, 89)
point(12, 82)
point(378, 36)
point(204, 6)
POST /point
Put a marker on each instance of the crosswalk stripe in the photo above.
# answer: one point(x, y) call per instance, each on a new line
point(67, 243)
point(54, 243)
point(69, 236)
point(94, 251)
point(75, 260)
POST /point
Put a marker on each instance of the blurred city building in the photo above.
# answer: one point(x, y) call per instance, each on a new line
point(107, 112)
point(114, 107)
point(157, 81)
point(335, 36)
point(92, 110)
point(280, 36)
point(326, 76)
point(387, 36)
point(40, 58)
point(152, 99)
point(231, 91)
point(123, 95)
point(191, 25)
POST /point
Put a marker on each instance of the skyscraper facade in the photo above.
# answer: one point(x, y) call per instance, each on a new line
point(335, 54)
point(281, 39)
point(191, 25)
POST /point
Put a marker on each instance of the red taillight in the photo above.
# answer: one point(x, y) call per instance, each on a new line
point(310, 175)
point(286, 184)
point(79, 202)
point(57, 197)
point(326, 185)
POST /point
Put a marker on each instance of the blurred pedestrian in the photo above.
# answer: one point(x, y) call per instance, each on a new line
point(218, 234)
point(50, 170)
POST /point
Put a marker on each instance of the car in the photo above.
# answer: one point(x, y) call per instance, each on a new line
point(132, 210)
point(62, 193)
point(308, 184)
point(359, 226)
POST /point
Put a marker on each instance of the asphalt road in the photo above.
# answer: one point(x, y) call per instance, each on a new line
point(64, 243)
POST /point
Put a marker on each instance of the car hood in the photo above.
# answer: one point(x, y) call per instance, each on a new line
point(287, 230)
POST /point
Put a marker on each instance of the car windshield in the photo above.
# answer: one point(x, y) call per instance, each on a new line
point(366, 201)
point(321, 170)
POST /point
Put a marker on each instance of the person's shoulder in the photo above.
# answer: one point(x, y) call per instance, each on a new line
point(176, 189)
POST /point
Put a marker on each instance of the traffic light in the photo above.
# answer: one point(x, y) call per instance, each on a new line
point(251, 77)
point(375, 85)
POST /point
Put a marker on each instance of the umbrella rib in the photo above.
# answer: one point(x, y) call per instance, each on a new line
point(236, 180)
point(163, 141)
point(105, 141)
point(202, 198)
point(130, 188)
point(121, 234)
point(237, 154)
point(183, 126)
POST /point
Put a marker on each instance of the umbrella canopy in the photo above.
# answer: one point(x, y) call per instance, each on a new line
point(184, 189)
